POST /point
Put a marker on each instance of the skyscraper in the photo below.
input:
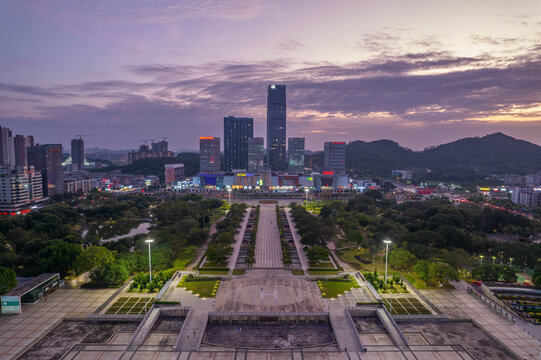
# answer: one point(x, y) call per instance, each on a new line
point(20, 144)
point(237, 131)
point(78, 153)
point(7, 148)
point(295, 151)
point(209, 155)
point(334, 157)
point(276, 127)
point(256, 155)
point(48, 160)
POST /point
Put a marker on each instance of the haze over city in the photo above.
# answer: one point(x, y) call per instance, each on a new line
point(420, 74)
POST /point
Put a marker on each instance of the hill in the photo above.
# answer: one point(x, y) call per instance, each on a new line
point(465, 159)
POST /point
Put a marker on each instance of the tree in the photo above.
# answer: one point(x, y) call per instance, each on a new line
point(486, 272)
point(537, 281)
point(8, 280)
point(92, 258)
point(218, 253)
point(110, 273)
point(316, 253)
point(442, 272)
point(422, 269)
point(508, 274)
point(59, 257)
point(401, 258)
point(354, 237)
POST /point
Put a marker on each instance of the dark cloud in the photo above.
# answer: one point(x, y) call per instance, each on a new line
point(420, 91)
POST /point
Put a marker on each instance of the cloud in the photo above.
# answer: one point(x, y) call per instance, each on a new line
point(289, 45)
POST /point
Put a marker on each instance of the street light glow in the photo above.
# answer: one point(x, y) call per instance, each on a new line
point(149, 240)
point(387, 241)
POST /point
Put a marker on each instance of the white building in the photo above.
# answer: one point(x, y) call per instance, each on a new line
point(20, 188)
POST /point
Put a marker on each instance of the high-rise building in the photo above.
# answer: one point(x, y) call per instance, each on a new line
point(158, 150)
point(20, 144)
point(334, 157)
point(174, 173)
point(276, 127)
point(209, 155)
point(256, 155)
point(19, 188)
point(237, 131)
point(78, 153)
point(7, 148)
point(295, 152)
point(160, 147)
point(48, 160)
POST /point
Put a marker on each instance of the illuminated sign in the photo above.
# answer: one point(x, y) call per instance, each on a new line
point(328, 172)
point(206, 138)
point(484, 189)
point(309, 178)
point(242, 174)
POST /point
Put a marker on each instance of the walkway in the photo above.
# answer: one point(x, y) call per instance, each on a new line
point(192, 331)
point(238, 240)
point(297, 239)
point(347, 338)
point(268, 251)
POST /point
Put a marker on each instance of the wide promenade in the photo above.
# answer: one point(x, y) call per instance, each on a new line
point(268, 253)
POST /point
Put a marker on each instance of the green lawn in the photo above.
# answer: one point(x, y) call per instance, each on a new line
point(131, 305)
point(210, 264)
point(297, 272)
point(322, 264)
point(317, 271)
point(185, 256)
point(239, 272)
point(202, 287)
point(330, 288)
point(204, 271)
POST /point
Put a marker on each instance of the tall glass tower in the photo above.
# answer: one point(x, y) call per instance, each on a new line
point(276, 128)
point(237, 131)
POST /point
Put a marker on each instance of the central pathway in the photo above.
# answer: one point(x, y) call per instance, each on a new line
point(268, 252)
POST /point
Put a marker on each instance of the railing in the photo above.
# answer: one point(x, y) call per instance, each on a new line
point(492, 305)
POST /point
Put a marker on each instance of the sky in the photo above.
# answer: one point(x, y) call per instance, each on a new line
point(420, 73)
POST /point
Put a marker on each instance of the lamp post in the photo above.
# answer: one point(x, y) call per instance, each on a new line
point(149, 259)
point(493, 260)
point(481, 259)
point(387, 242)
point(229, 191)
point(306, 191)
point(510, 261)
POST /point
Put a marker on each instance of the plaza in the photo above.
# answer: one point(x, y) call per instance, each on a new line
point(265, 313)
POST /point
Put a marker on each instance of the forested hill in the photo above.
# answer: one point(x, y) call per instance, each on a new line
point(476, 157)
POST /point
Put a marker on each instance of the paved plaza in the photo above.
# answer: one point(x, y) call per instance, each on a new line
point(268, 252)
point(19, 331)
point(460, 304)
point(273, 290)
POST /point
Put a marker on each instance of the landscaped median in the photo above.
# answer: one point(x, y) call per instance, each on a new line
point(201, 286)
point(333, 287)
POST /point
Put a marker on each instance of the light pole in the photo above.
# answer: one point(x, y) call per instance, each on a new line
point(306, 191)
point(493, 260)
point(149, 259)
point(510, 261)
point(387, 242)
point(481, 259)
point(229, 191)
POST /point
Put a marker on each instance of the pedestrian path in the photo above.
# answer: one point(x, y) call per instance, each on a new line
point(268, 251)
point(238, 240)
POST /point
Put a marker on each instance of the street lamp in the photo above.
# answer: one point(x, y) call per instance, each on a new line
point(387, 242)
point(229, 191)
point(493, 260)
point(306, 191)
point(510, 261)
point(481, 259)
point(149, 260)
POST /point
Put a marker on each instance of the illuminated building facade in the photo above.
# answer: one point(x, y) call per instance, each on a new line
point(20, 188)
point(256, 155)
point(209, 155)
point(237, 131)
point(295, 153)
point(174, 173)
point(276, 128)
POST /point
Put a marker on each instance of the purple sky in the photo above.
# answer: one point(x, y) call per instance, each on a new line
point(129, 70)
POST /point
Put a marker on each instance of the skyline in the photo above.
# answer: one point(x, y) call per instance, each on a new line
point(359, 71)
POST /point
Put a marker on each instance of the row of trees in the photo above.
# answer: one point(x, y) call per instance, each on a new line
point(220, 248)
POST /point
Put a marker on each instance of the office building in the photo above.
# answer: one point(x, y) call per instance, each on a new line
point(276, 128)
point(256, 155)
point(48, 160)
point(295, 154)
point(174, 173)
point(209, 155)
point(21, 143)
point(78, 153)
point(237, 131)
point(80, 185)
point(7, 148)
point(20, 188)
point(334, 156)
